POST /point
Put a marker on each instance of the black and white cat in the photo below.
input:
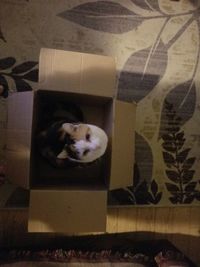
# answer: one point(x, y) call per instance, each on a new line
point(66, 141)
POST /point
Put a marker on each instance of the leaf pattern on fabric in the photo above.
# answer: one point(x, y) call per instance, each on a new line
point(105, 16)
point(121, 196)
point(7, 62)
point(147, 5)
point(155, 5)
point(31, 76)
point(143, 158)
point(19, 73)
point(21, 85)
point(145, 189)
point(4, 83)
point(142, 4)
point(2, 174)
point(144, 69)
point(147, 193)
point(179, 165)
point(2, 36)
point(24, 67)
point(182, 99)
point(140, 194)
point(113, 17)
point(141, 73)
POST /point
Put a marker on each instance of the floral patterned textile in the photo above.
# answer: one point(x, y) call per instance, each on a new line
point(156, 44)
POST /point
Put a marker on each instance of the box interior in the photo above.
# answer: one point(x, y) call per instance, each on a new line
point(97, 111)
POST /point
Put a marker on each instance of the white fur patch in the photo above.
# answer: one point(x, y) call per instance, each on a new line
point(63, 154)
point(89, 150)
point(96, 145)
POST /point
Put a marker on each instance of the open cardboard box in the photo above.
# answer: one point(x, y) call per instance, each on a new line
point(74, 200)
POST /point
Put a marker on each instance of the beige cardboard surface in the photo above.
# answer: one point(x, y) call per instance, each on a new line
point(18, 170)
point(69, 212)
point(18, 140)
point(122, 145)
point(77, 72)
point(18, 152)
point(20, 112)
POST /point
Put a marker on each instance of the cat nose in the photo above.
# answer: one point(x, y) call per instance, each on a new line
point(71, 142)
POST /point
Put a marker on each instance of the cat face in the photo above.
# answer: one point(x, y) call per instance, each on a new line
point(89, 142)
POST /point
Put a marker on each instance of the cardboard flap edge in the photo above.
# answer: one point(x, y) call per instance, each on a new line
point(69, 71)
point(123, 142)
point(67, 211)
point(18, 137)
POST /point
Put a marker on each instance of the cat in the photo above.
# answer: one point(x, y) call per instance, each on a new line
point(67, 141)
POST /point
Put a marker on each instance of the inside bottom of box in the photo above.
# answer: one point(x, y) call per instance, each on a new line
point(84, 176)
point(92, 175)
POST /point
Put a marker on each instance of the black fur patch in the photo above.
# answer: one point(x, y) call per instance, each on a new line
point(51, 136)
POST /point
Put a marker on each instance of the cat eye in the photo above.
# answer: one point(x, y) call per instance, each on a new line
point(86, 152)
point(87, 137)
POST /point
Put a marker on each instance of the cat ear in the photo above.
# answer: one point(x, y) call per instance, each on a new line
point(63, 154)
point(67, 127)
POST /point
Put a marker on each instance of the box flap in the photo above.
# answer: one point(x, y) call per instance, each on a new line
point(20, 111)
point(77, 72)
point(122, 160)
point(18, 140)
point(18, 143)
point(67, 211)
point(18, 167)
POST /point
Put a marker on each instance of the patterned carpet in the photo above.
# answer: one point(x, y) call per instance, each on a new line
point(156, 44)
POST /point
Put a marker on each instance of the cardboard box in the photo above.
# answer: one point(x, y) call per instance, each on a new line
point(71, 201)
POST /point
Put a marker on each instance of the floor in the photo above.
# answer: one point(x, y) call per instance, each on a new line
point(139, 223)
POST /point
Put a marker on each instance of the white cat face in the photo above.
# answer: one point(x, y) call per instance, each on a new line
point(89, 142)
